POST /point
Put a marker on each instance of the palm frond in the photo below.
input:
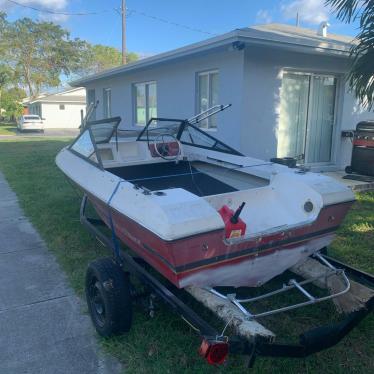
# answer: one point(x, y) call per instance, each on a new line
point(361, 75)
point(345, 10)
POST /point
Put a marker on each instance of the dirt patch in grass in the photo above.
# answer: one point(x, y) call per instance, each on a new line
point(165, 344)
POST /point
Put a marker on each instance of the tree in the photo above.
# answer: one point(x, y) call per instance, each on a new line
point(11, 102)
point(40, 52)
point(361, 75)
point(5, 79)
point(101, 57)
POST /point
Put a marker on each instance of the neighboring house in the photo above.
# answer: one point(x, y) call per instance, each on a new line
point(286, 85)
point(59, 110)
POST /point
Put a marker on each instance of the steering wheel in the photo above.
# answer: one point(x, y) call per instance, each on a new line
point(167, 146)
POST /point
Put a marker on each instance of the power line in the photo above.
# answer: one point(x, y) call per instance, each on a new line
point(171, 22)
point(128, 11)
point(49, 11)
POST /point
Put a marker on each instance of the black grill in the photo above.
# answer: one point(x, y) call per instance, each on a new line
point(363, 149)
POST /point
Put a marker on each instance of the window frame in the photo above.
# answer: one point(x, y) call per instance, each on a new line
point(107, 102)
point(146, 104)
point(208, 73)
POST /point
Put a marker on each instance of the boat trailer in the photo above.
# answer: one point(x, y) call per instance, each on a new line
point(251, 338)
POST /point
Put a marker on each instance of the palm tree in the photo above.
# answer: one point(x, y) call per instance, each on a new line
point(361, 75)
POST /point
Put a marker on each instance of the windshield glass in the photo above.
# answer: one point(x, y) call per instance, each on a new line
point(152, 132)
point(95, 132)
point(185, 132)
point(30, 117)
point(84, 145)
point(103, 130)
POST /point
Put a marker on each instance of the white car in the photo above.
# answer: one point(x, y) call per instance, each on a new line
point(30, 122)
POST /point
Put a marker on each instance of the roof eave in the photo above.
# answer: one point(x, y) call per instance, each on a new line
point(55, 102)
point(303, 46)
point(205, 45)
point(342, 50)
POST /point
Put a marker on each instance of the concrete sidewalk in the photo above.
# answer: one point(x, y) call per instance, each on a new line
point(42, 328)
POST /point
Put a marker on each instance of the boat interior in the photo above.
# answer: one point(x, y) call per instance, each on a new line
point(133, 157)
point(199, 178)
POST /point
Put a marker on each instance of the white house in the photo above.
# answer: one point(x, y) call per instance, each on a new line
point(59, 110)
point(286, 85)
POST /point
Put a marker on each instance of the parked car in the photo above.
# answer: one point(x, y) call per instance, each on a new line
point(30, 122)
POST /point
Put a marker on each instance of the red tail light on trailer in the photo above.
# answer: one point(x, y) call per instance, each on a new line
point(215, 352)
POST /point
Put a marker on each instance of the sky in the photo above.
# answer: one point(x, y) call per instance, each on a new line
point(155, 26)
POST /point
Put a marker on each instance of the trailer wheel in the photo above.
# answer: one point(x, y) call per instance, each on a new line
point(108, 297)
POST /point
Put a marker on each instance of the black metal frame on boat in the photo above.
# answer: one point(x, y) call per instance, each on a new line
point(192, 122)
point(88, 128)
point(310, 342)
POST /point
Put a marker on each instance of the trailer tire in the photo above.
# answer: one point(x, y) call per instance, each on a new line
point(108, 297)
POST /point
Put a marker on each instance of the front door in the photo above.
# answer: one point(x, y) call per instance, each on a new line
point(307, 117)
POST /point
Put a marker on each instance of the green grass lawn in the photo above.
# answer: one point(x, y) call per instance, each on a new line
point(7, 128)
point(165, 344)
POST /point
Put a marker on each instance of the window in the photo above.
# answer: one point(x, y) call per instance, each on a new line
point(207, 89)
point(107, 102)
point(62, 107)
point(31, 118)
point(145, 96)
point(35, 109)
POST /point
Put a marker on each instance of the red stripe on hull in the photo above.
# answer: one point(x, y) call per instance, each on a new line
point(177, 260)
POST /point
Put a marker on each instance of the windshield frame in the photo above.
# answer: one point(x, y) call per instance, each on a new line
point(183, 124)
point(88, 127)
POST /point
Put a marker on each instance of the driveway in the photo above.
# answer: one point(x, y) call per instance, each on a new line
point(43, 329)
point(51, 133)
point(48, 133)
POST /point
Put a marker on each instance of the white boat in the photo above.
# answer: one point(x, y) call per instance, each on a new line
point(170, 192)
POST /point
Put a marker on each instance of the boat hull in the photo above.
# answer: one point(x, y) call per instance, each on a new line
point(209, 260)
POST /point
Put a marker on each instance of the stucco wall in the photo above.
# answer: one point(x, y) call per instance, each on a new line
point(261, 100)
point(251, 81)
point(70, 117)
point(176, 91)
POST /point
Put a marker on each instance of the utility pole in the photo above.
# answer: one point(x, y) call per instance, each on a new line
point(123, 13)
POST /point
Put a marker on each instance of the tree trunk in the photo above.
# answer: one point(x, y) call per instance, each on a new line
point(28, 80)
